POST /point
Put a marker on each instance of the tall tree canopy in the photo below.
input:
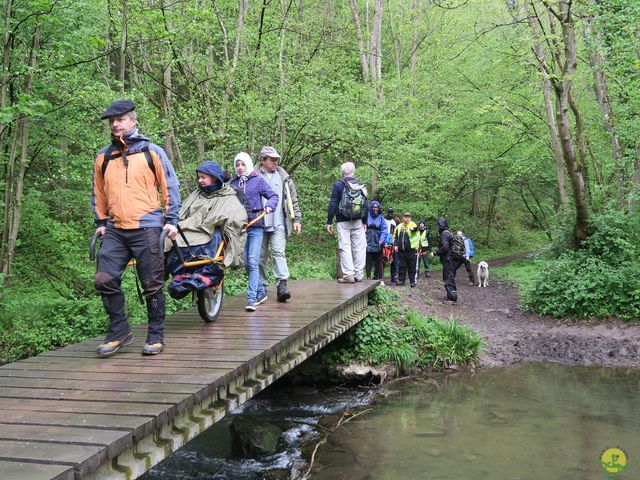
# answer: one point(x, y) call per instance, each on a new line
point(505, 111)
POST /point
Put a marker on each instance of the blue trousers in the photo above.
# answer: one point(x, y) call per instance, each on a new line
point(252, 249)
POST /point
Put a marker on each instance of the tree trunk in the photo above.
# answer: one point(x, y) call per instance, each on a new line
point(364, 64)
point(397, 50)
point(15, 180)
point(565, 56)
point(375, 43)
point(6, 63)
point(604, 102)
point(123, 47)
point(635, 183)
point(548, 106)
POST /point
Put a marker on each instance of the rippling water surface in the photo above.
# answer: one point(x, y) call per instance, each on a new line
point(533, 421)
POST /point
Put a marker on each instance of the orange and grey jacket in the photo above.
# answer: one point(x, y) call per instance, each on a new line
point(129, 178)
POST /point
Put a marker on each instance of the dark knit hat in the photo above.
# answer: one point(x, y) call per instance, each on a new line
point(211, 168)
point(117, 108)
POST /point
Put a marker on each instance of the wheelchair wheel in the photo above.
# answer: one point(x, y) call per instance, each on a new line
point(210, 302)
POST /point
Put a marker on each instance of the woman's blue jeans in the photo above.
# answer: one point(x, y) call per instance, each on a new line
point(252, 248)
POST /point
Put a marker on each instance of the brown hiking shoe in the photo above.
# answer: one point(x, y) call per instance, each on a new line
point(109, 348)
point(152, 348)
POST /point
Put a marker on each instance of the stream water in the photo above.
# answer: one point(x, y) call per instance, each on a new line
point(530, 421)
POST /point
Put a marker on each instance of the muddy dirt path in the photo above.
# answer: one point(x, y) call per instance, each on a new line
point(512, 335)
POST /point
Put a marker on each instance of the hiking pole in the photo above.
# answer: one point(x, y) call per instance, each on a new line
point(253, 222)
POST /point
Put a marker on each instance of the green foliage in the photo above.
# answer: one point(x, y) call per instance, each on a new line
point(460, 130)
point(406, 339)
point(34, 325)
point(602, 279)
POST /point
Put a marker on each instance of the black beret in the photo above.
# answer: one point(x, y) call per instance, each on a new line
point(117, 108)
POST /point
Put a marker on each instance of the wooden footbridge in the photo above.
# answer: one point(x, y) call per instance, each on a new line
point(67, 414)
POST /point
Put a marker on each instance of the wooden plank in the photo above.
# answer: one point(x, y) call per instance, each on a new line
point(60, 384)
point(84, 458)
point(72, 406)
point(215, 377)
point(139, 426)
point(160, 368)
point(34, 471)
point(91, 395)
point(116, 441)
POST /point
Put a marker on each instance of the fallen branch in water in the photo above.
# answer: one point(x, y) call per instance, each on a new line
point(329, 431)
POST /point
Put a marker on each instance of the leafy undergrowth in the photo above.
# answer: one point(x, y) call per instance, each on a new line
point(405, 338)
point(600, 279)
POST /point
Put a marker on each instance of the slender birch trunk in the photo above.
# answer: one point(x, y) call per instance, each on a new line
point(548, 106)
point(604, 102)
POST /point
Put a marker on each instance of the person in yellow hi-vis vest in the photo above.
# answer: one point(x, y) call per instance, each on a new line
point(406, 242)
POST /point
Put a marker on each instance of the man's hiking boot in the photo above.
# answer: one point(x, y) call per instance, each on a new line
point(108, 348)
point(449, 302)
point(347, 279)
point(283, 293)
point(413, 285)
point(250, 307)
point(261, 299)
point(358, 279)
point(152, 348)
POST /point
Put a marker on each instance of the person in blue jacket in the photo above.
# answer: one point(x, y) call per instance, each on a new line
point(251, 189)
point(469, 251)
point(377, 237)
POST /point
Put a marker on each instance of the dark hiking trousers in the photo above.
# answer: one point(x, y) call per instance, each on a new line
point(467, 265)
point(374, 260)
point(424, 259)
point(118, 247)
point(407, 263)
point(393, 267)
point(449, 269)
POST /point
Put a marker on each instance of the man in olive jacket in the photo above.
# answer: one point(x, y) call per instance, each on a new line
point(279, 224)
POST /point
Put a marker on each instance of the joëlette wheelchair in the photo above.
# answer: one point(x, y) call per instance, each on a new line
point(198, 270)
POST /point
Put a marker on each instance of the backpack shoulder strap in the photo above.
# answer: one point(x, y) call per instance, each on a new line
point(110, 155)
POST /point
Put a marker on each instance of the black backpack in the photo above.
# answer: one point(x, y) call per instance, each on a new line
point(353, 202)
point(456, 246)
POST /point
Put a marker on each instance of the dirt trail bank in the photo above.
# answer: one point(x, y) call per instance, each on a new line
point(512, 335)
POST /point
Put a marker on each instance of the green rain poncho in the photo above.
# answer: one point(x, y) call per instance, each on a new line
point(202, 212)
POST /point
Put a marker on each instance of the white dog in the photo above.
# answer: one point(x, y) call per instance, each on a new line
point(483, 274)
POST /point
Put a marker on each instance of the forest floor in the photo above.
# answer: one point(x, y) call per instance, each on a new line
point(513, 335)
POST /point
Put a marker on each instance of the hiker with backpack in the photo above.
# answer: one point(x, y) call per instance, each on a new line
point(469, 251)
point(451, 253)
point(251, 189)
point(406, 241)
point(132, 180)
point(377, 234)
point(348, 205)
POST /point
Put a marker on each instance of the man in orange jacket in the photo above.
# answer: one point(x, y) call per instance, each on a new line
point(129, 177)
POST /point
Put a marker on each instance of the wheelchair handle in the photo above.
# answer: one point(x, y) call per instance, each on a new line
point(92, 246)
point(163, 235)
